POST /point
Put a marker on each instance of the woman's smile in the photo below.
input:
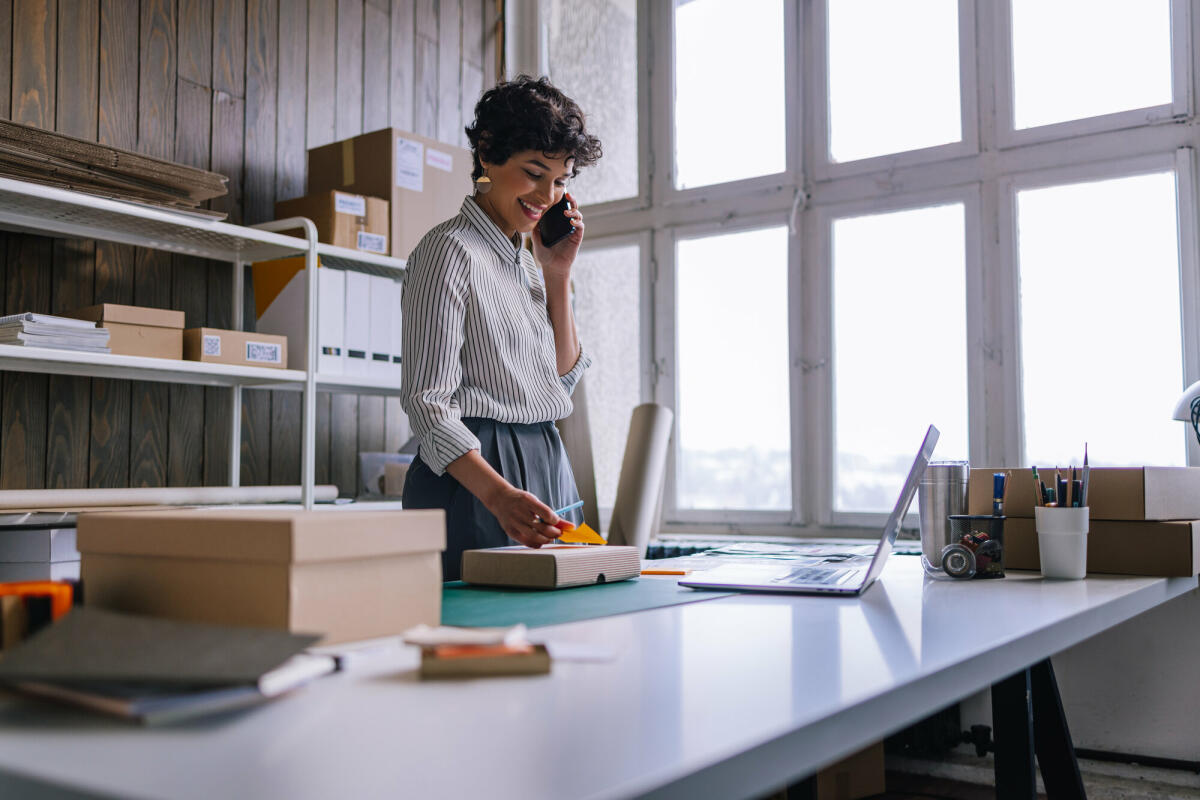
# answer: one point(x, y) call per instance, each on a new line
point(532, 211)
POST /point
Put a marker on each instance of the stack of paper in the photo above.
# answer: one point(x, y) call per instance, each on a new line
point(56, 333)
point(156, 670)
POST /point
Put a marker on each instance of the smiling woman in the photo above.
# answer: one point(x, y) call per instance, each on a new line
point(491, 351)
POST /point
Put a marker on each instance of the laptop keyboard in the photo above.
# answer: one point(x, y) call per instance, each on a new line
point(824, 577)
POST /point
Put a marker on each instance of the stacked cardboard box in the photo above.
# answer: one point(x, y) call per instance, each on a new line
point(38, 553)
point(358, 317)
point(353, 221)
point(244, 348)
point(1143, 520)
point(137, 331)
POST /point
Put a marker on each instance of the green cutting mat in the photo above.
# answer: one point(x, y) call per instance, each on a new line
point(486, 606)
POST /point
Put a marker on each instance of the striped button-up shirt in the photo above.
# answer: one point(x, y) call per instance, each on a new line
point(477, 337)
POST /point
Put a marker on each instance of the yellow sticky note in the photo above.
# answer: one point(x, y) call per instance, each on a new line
point(582, 535)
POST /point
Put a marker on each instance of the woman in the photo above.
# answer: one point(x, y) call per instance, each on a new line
point(491, 354)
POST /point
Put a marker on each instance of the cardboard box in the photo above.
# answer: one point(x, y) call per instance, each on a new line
point(347, 220)
point(423, 180)
point(279, 309)
point(138, 331)
point(1117, 493)
point(346, 574)
point(550, 567)
point(1118, 547)
point(860, 775)
point(216, 346)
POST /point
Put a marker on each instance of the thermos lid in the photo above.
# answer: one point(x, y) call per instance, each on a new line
point(947, 472)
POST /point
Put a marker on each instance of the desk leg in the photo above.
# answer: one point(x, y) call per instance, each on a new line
point(1027, 715)
point(1012, 736)
point(1052, 738)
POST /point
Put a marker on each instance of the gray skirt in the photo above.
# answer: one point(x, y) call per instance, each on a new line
point(529, 456)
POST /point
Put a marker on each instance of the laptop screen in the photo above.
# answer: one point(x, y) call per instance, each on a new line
point(892, 528)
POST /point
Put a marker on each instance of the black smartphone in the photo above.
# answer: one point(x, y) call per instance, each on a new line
point(554, 225)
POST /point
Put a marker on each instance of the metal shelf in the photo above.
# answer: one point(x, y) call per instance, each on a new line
point(359, 260)
point(17, 358)
point(45, 210)
point(358, 384)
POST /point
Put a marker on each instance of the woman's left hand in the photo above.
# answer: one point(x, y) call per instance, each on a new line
point(556, 261)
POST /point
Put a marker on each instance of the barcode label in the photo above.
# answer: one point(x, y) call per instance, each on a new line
point(350, 204)
point(212, 345)
point(264, 353)
point(372, 242)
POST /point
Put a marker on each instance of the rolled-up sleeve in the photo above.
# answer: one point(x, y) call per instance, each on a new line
point(433, 313)
point(573, 375)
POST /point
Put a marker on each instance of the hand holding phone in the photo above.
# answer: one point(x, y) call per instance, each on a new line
point(555, 225)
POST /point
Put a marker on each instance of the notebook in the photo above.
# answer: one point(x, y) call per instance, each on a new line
point(832, 578)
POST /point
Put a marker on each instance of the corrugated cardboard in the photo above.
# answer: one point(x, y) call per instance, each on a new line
point(1119, 547)
point(1116, 493)
point(424, 180)
point(138, 331)
point(337, 219)
point(216, 346)
point(550, 567)
point(347, 574)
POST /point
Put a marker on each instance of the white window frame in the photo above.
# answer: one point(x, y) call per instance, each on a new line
point(980, 171)
point(1181, 164)
point(825, 168)
point(1180, 107)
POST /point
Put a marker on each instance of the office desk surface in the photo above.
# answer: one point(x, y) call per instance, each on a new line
point(725, 698)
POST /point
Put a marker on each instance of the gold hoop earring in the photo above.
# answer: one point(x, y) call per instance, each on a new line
point(483, 184)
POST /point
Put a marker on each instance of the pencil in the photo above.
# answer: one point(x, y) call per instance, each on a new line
point(1084, 487)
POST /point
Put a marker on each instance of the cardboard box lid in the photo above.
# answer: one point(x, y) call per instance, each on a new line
point(284, 536)
point(1116, 493)
point(130, 315)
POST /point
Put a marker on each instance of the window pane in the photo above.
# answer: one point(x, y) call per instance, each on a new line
point(900, 348)
point(893, 77)
point(1100, 322)
point(592, 48)
point(728, 71)
point(733, 413)
point(1074, 59)
point(607, 302)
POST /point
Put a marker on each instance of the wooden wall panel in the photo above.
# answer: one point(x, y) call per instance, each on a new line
point(243, 87)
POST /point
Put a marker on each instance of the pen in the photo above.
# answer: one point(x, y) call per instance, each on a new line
point(563, 524)
point(1083, 489)
point(1061, 483)
point(998, 482)
point(1037, 489)
point(571, 507)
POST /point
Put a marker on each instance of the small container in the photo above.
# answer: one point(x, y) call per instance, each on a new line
point(941, 492)
point(1062, 541)
point(976, 549)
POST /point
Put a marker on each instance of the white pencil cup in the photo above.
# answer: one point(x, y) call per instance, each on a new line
point(1062, 541)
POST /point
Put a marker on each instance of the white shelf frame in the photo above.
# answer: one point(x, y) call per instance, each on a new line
point(49, 211)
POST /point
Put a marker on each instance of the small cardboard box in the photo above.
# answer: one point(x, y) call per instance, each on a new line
point(138, 331)
point(342, 219)
point(423, 180)
point(550, 567)
point(1119, 547)
point(215, 346)
point(1116, 493)
point(346, 574)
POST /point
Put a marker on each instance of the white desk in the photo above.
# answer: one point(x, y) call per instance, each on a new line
point(725, 698)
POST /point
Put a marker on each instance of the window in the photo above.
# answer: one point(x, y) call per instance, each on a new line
point(592, 56)
point(607, 281)
point(893, 77)
point(729, 96)
point(866, 216)
point(1101, 339)
point(900, 348)
point(732, 417)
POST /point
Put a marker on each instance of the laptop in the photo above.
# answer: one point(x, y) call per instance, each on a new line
point(821, 578)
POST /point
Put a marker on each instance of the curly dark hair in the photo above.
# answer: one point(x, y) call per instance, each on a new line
point(529, 114)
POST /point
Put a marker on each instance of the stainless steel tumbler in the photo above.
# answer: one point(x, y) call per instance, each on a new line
point(942, 492)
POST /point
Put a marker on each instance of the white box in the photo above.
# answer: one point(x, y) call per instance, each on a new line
point(397, 331)
point(331, 321)
point(380, 364)
point(37, 546)
point(358, 322)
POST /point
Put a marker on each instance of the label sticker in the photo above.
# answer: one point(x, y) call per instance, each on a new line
point(439, 160)
point(264, 353)
point(410, 167)
point(350, 204)
point(212, 345)
point(372, 242)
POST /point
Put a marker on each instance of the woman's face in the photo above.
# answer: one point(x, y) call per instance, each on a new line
point(523, 188)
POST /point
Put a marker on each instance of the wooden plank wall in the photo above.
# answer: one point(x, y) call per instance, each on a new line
point(243, 87)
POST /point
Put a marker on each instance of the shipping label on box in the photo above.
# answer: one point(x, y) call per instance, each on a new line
point(342, 219)
point(244, 348)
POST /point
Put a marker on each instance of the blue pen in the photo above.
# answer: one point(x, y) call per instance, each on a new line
point(571, 507)
point(999, 482)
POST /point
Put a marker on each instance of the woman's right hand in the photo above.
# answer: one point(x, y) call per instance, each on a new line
point(523, 517)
